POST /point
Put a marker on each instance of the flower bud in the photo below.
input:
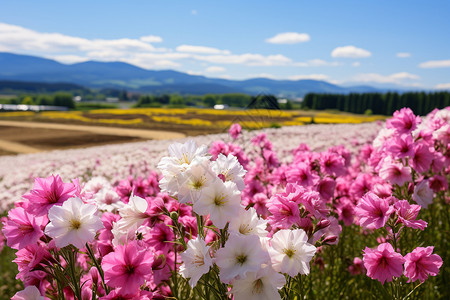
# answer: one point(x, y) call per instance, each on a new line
point(323, 224)
point(330, 239)
point(174, 215)
point(94, 274)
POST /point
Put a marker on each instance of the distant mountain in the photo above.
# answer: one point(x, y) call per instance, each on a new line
point(93, 74)
point(7, 86)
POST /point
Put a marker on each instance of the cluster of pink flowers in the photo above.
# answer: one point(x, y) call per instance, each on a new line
point(243, 218)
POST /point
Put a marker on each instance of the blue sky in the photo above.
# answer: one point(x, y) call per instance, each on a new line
point(365, 42)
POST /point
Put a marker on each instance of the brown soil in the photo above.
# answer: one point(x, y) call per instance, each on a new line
point(50, 139)
point(28, 137)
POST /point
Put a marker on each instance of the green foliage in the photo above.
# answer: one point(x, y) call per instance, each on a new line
point(28, 100)
point(210, 100)
point(44, 100)
point(176, 101)
point(63, 99)
point(368, 112)
point(381, 104)
point(9, 101)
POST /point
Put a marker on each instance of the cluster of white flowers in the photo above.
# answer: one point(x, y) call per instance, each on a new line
point(248, 259)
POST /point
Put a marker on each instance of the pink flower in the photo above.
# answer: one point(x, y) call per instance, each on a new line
point(421, 262)
point(235, 131)
point(29, 258)
point(395, 173)
point(346, 212)
point(48, 192)
point(127, 267)
point(373, 211)
point(407, 214)
point(401, 147)
point(285, 213)
point(361, 185)
point(357, 267)
point(301, 174)
point(403, 121)
point(383, 263)
point(29, 293)
point(326, 187)
point(22, 229)
point(422, 159)
point(332, 163)
point(438, 183)
point(160, 237)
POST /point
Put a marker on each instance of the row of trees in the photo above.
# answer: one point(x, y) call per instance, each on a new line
point(57, 99)
point(209, 100)
point(384, 104)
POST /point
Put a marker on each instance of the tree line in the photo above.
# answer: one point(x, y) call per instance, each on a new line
point(209, 100)
point(377, 103)
point(57, 99)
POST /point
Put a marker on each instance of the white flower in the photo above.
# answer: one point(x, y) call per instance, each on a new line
point(230, 168)
point(73, 223)
point(240, 255)
point(181, 156)
point(261, 285)
point(248, 223)
point(122, 234)
point(196, 261)
point(108, 200)
point(383, 135)
point(96, 184)
point(29, 293)
point(133, 213)
point(132, 216)
point(221, 201)
point(290, 252)
point(198, 176)
point(173, 166)
point(423, 195)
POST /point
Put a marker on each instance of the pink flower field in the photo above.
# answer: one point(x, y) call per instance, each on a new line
point(310, 212)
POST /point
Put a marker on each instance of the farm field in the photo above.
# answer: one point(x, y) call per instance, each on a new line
point(171, 123)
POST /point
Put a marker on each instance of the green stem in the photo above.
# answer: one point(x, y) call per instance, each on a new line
point(99, 269)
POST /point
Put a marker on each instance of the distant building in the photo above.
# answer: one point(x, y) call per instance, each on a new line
point(221, 106)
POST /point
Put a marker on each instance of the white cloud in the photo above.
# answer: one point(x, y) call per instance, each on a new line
point(442, 86)
point(356, 64)
point(215, 69)
point(16, 38)
point(151, 39)
point(139, 52)
point(249, 59)
point(194, 12)
point(403, 54)
point(201, 50)
point(289, 38)
point(195, 73)
point(350, 52)
point(310, 76)
point(317, 63)
point(68, 59)
point(402, 78)
point(435, 64)
point(261, 75)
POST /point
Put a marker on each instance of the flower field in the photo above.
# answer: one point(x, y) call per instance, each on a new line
point(323, 211)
